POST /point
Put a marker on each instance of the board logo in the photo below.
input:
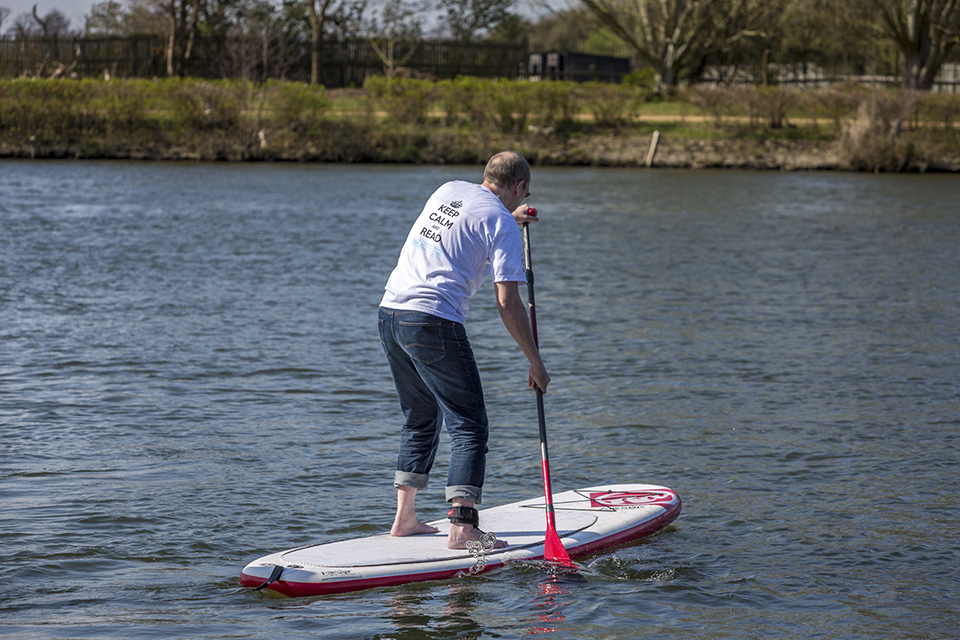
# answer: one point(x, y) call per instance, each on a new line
point(630, 499)
point(338, 574)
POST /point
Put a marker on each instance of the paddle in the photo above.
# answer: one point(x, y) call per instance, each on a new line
point(553, 548)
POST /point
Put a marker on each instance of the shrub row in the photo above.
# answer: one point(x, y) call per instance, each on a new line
point(508, 106)
point(771, 107)
point(152, 113)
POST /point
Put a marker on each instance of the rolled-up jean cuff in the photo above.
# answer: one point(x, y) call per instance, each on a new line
point(410, 479)
point(464, 491)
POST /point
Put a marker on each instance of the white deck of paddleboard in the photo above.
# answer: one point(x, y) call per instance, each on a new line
point(518, 527)
point(587, 520)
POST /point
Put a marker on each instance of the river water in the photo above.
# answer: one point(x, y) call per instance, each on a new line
point(190, 378)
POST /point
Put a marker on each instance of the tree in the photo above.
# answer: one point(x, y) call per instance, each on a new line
point(320, 13)
point(925, 31)
point(316, 16)
point(827, 27)
point(132, 17)
point(53, 24)
point(512, 28)
point(23, 25)
point(105, 18)
point(565, 28)
point(467, 19)
point(397, 26)
point(181, 29)
point(185, 21)
point(4, 14)
point(179, 21)
point(674, 36)
point(175, 20)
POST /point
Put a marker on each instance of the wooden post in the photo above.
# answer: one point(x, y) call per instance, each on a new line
point(653, 148)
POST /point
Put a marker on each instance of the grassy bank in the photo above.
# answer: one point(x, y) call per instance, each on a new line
point(465, 120)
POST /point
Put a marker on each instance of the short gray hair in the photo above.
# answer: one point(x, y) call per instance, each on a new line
point(507, 169)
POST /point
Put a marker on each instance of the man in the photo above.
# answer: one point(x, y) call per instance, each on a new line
point(465, 232)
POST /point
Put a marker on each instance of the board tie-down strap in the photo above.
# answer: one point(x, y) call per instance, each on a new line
point(274, 576)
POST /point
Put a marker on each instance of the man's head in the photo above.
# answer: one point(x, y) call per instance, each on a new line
point(506, 169)
point(507, 174)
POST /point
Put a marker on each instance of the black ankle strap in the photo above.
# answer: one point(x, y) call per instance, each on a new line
point(464, 515)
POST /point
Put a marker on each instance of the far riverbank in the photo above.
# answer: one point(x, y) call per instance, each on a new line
point(465, 120)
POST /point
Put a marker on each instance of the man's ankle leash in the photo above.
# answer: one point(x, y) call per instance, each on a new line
point(464, 515)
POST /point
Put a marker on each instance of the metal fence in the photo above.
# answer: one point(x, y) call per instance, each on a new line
point(343, 63)
point(790, 68)
point(876, 66)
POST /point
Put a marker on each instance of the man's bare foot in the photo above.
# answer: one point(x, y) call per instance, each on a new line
point(411, 528)
point(460, 534)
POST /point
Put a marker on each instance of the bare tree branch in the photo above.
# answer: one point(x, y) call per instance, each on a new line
point(674, 36)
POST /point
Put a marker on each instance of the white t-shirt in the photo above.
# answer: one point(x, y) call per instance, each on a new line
point(463, 235)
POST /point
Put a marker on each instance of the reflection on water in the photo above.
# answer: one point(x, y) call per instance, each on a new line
point(549, 608)
point(454, 609)
point(556, 590)
point(446, 612)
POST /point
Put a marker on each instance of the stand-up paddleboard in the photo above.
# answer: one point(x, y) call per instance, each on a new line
point(587, 520)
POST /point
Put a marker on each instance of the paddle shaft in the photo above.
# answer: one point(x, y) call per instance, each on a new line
point(553, 549)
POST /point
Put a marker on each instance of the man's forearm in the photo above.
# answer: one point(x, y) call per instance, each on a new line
point(515, 319)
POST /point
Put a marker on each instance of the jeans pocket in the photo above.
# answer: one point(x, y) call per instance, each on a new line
point(423, 341)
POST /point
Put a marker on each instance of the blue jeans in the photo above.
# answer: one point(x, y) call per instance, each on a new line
point(437, 380)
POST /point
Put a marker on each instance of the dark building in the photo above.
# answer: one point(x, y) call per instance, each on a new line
point(576, 67)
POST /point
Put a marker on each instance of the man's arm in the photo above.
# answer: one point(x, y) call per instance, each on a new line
point(515, 319)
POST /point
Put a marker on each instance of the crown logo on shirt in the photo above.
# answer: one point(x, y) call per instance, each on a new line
point(456, 204)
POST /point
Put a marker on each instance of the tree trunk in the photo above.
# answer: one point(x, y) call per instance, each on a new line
point(315, 55)
point(191, 33)
point(916, 57)
point(914, 76)
point(668, 79)
point(316, 19)
point(171, 41)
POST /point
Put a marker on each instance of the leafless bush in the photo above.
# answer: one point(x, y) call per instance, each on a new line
point(835, 103)
point(715, 101)
point(610, 104)
point(769, 104)
point(866, 142)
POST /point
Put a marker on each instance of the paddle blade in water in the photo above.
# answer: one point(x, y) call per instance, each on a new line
point(554, 549)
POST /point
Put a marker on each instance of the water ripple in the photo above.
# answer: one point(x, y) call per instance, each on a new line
point(190, 378)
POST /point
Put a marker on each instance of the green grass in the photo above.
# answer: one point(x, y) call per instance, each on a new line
point(669, 108)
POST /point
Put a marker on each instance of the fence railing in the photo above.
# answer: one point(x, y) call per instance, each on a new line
point(346, 63)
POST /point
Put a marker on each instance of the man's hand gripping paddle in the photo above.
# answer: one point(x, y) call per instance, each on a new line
point(553, 548)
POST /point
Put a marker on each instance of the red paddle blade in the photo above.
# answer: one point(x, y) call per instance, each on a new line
point(554, 549)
